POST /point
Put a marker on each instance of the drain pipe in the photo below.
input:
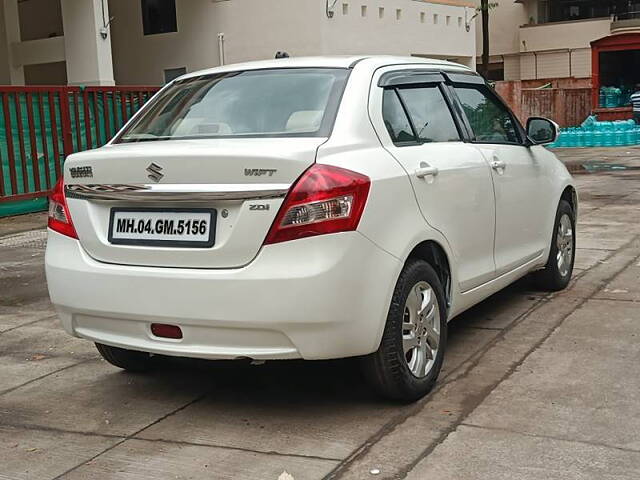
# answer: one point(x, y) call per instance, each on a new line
point(221, 47)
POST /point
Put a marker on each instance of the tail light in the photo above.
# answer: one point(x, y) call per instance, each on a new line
point(59, 216)
point(325, 199)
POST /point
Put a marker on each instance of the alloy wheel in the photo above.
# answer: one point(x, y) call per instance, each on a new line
point(421, 329)
point(564, 243)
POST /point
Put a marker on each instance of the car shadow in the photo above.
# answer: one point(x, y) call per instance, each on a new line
point(339, 381)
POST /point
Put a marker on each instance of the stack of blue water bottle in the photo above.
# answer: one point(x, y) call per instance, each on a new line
point(593, 133)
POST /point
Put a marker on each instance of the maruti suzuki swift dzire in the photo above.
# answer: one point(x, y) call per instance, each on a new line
point(309, 208)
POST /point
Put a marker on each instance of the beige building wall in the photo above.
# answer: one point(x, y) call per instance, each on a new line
point(40, 19)
point(531, 51)
point(140, 59)
point(581, 62)
point(553, 36)
point(402, 28)
point(5, 56)
point(504, 23)
point(48, 44)
point(563, 49)
point(512, 67)
point(258, 29)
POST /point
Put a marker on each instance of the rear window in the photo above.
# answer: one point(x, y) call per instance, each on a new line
point(295, 102)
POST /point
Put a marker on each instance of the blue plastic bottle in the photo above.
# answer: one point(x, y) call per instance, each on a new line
point(610, 98)
point(589, 140)
point(617, 95)
point(598, 138)
point(562, 139)
point(629, 136)
point(609, 136)
point(619, 135)
point(572, 138)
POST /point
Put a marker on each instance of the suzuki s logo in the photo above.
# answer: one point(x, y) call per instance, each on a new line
point(259, 172)
point(155, 172)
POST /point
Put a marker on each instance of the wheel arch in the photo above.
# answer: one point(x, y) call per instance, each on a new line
point(570, 195)
point(435, 255)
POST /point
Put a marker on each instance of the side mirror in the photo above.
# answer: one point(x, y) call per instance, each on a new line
point(542, 131)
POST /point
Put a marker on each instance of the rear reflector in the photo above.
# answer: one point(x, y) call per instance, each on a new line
point(166, 331)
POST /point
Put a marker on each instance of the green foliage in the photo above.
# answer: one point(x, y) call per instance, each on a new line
point(485, 5)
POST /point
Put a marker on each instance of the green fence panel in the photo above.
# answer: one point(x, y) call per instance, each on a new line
point(32, 127)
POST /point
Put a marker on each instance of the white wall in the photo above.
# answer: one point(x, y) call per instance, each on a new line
point(414, 33)
point(258, 29)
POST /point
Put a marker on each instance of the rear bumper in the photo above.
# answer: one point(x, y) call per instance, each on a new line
point(315, 298)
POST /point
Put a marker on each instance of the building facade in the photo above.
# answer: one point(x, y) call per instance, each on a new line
point(148, 42)
point(553, 39)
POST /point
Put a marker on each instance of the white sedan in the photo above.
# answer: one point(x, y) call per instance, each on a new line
point(308, 208)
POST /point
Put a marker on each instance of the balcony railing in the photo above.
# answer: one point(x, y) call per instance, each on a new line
point(625, 21)
point(631, 15)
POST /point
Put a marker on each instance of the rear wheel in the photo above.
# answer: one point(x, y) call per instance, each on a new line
point(557, 273)
point(129, 360)
point(407, 363)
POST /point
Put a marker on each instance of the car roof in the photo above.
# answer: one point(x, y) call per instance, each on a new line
point(334, 61)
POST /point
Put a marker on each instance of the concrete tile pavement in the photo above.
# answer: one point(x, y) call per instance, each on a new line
point(37, 454)
point(472, 453)
point(142, 460)
point(570, 410)
point(315, 420)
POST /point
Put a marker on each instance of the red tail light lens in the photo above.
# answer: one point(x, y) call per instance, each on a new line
point(59, 216)
point(325, 199)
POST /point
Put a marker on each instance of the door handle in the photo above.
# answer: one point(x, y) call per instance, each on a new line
point(426, 170)
point(498, 164)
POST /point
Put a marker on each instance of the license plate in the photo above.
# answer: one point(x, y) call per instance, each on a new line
point(174, 227)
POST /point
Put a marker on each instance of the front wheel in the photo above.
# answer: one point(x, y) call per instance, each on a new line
point(557, 272)
point(407, 363)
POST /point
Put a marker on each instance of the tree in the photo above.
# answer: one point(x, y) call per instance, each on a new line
point(485, 6)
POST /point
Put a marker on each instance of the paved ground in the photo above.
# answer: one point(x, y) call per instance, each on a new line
point(534, 386)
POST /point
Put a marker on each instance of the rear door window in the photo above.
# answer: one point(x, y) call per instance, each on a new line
point(418, 114)
point(430, 114)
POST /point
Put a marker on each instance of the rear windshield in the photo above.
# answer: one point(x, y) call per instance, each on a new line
point(293, 102)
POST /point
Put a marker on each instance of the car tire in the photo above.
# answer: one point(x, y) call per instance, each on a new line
point(394, 370)
point(557, 272)
point(129, 360)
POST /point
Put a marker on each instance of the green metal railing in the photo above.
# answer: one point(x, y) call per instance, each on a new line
point(40, 126)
